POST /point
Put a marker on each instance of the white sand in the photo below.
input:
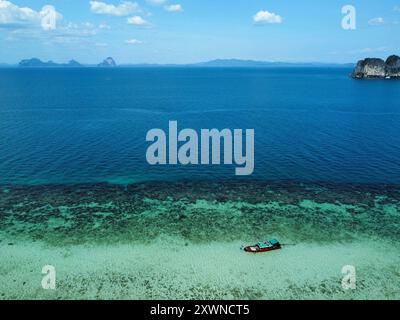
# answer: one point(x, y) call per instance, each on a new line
point(167, 269)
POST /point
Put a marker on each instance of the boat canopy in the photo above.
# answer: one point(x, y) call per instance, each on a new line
point(274, 242)
point(263, 245)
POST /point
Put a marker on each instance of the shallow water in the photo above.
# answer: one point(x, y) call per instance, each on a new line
point(200, 211)
point(181, 240)
point(167, 269)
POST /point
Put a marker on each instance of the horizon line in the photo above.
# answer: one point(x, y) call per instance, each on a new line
point(188, 63)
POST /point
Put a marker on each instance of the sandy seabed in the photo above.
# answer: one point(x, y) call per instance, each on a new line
point(170, 269)
point(183, 241)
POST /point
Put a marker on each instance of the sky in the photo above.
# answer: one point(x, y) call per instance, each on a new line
point(188, 31)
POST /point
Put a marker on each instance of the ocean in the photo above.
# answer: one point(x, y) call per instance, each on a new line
point(89, 124)
point(77, 193)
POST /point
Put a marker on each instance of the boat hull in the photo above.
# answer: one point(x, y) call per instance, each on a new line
point(256, 249)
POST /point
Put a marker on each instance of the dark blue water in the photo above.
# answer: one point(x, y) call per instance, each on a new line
point(89, 125)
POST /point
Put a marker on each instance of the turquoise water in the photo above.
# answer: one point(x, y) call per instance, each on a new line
point(89, 125)
point(181, 240)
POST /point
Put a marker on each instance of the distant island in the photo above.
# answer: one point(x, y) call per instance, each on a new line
point(34, 62)
point(108, 62)
point(37, 63)
point(218, 63)
point(374, 68)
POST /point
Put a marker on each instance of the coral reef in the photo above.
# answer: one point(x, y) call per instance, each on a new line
point(199, 211)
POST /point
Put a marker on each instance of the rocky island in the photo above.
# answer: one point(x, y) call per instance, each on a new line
point(34, 62)
point(109, 62)
point(37, 63)
point(374, 68)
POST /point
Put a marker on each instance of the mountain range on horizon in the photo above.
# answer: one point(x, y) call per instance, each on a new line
point(217, 63)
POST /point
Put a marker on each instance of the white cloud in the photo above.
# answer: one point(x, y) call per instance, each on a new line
point(104, 26)
point(137, 21)
point(14, 17)
point(71, 33)
point(156, 2)
point(369, 50)
point(125, 8)
point(133, 41)
point(376, 21)
point(25, 24)
point(101, 44)
point(173, 8)
point(266, 17)
point(12, 14)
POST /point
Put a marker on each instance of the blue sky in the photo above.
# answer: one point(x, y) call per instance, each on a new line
point(185, 31)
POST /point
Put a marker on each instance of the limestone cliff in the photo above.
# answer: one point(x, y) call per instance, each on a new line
point(373, 68)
